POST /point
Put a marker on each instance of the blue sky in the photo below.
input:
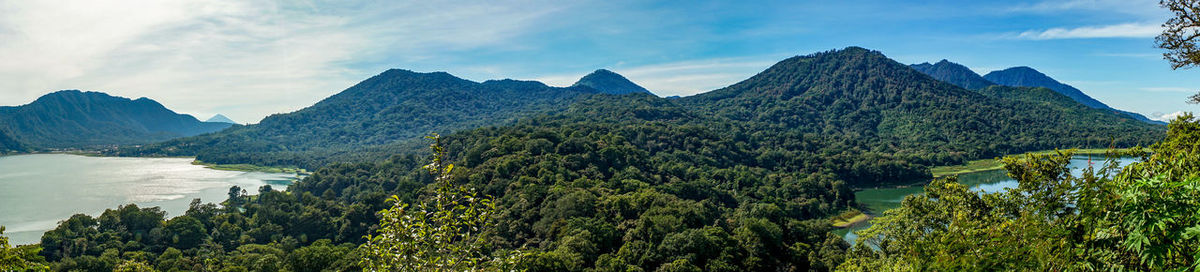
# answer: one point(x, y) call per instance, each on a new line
point(249, 59)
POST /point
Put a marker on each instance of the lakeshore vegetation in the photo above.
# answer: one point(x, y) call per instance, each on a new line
point(744, 178)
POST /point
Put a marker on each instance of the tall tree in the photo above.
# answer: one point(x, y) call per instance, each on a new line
point(1180, 35)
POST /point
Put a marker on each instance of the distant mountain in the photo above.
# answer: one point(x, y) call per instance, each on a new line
point(610, 83)
point(220, 119)
point(75, 119)
point(1028, 77)
point(393, 106)
point(954, 73)
point(875, 103)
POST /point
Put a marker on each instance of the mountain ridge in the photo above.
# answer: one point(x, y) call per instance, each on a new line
point(954, 73)
point(609, 82)
point(394, 105)
point(1024, 76)
point(77, 119)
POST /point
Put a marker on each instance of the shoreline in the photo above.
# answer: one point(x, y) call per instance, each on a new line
point(214, 166)
point(982, 165)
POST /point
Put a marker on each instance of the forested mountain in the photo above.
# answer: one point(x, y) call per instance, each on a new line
point(395, 105)
point(220, 119)
point(75, 119)
point(1028, 77)
point(738, 179)
point(609, 82)
point(954, 73)
point(888, 107)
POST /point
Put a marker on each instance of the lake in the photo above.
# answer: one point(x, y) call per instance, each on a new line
point(882, 199)
point(37, 191)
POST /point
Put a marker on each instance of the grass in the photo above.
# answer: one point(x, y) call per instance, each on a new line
point(993, 164)
point(849, 218)
point(251, 168)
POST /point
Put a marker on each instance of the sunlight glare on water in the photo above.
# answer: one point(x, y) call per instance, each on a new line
point(38, 191)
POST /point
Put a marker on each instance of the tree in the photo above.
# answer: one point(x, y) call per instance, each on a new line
point(442, 233)
point(17, 258)
point(1180, 35)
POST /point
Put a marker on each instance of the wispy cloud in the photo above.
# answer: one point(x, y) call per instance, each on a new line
point(1145, 8)
point(1126, 30)
point(245, 59)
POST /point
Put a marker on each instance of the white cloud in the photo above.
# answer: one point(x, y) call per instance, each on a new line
point(245, 59)
point(1127, 30)
point(1166, 117)
point(1144, 8)
point(682, 78)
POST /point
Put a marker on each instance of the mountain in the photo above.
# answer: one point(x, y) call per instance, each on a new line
point(954, 73)
point(610, 83)
point(744, 178)
point(395, 105)
point(862, 95)
point(1028, 77)
point(220, 119)
point(75, 119)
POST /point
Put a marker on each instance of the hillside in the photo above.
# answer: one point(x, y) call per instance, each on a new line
point(954, 73)
point(743, 178)
point(1028, 77)
point(893, 108)
point(75, 119)
point(393, 106)
point(609, 82)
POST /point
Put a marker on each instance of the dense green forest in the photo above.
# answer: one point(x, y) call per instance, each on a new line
point(394, 106)
point(75, 119)
point(744, 178)
point(1144, 217)
point(846, 101)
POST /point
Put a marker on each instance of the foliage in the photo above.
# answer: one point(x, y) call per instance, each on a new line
point(443, 233)
point(1180, 33)
point(1144, 217)
point(396, 105)
point(22, 258)
point(740, 179)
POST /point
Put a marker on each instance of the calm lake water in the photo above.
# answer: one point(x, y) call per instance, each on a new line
point(882, 199)
point(38, 191)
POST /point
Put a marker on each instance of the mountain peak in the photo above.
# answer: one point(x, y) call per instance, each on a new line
point(810, 76)
point(220, 119)
point(1024, 76)
point(609, 82)
point(953, 73)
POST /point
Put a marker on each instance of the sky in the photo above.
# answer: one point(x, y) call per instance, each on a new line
point(251, 59)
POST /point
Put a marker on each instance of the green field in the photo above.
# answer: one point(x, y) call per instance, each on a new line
point(994, 164)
